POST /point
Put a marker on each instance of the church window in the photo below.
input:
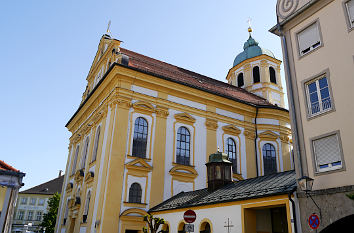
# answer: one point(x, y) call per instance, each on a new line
point(84, 153)
point(66, 212)
point(75, 160)
point(327, 152)
point(269, 159)
point(95, 145)
point(231, 153)
point(273, 77)
point(87, 205)
point(256, 75)
point(240, 81)
point(309, 39)
point(183, 146)
point(135, 193)
point(140, 137)
point(350, 9)
point(318, 96)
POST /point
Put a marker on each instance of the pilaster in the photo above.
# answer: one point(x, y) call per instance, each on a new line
point(251, 164)
point(158, 173)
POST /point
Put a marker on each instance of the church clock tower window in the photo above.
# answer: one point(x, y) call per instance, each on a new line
point(256, 75)
point(135, 193)
point(240, 81)
point(273, 78)
point(269, 159)
point(140, 137)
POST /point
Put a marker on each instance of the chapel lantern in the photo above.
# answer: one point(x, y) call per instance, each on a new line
point(219, 171)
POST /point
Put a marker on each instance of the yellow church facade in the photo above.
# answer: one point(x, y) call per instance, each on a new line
point(145, 129)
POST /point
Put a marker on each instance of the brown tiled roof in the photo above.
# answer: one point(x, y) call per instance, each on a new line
point(50, 187)
point(6, 167)
point(192, 79)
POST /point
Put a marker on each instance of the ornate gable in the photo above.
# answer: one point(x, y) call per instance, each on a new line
point(231, 129)
point(184, 118)
point(138, 165)
point(269, 135)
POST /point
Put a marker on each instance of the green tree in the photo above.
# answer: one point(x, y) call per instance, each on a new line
point(153, 223)
point(50, 218)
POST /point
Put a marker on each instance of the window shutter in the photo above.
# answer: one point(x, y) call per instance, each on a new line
point(350, 7)
point(327, 150)
point(308, 37)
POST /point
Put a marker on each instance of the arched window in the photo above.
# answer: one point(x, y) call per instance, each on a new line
point(140, 137)
point(205, 227)
point(183, 146)
point(84, 153)
point(231, 152)
point(135, 193)
point(95, 145)
point(256, 75)
point(240, 81)
point(181, 228)
point(77, 197)
point(87, 205)
point(269, 159)
point(273, 77)
point(66, 212)
point(75, 160)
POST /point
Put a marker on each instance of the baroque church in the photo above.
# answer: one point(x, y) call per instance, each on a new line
point(145, 130)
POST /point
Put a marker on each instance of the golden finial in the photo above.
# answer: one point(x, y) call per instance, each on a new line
point(108, 28)
point(249, 25)
point(218, 148)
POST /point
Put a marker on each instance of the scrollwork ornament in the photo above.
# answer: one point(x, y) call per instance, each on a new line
point(286, 7)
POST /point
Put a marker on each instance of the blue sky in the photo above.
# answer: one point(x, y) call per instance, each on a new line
point(47, 48)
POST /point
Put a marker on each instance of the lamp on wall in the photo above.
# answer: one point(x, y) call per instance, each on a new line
point(305, 184)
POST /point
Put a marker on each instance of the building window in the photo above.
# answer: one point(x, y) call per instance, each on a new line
point(87, 205)
point(39, 216)
point(75, 160)
point(309, 39)
point(231, 152)
point(41, 201)
point(33, 201)
point(140, 137)
point(84, 153)
point(21, 214)
point(23, 200)
point(269, 159)
point(273, 77)
point(30, 215)
point(318, 96)
point(95, 145)
point(350, 9)
point(183, 146)
point(240, 81)
point(66, 212)
point(256, 75)
point(327, 153)
point(135, 193)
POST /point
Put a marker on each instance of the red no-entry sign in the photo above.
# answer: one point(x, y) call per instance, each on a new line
point(189, 216)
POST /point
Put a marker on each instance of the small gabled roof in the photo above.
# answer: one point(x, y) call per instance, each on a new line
point(47, 188)
point(262, 186)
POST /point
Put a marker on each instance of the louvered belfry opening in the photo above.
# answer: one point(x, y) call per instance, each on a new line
point(219, 171)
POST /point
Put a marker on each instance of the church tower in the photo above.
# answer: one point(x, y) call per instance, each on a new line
point(258, 71)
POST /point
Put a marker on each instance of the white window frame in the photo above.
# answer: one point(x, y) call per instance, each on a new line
point(33, 201)
point(313, 46)
point(21, 215)
point(85, 152)
point(350, 17)
point(76, 155)
point(318, 90)
point(330, 167)
point(41, 201)
point(39, 214)
point(30, 214)
point(96, 143)
point(24, 201)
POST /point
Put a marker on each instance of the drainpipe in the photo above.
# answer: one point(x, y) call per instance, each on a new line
point(293, 207)
point(291, 99)
point(255, 140)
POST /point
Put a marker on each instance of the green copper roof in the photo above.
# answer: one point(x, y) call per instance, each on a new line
point(251, 49)
point(218, 157)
